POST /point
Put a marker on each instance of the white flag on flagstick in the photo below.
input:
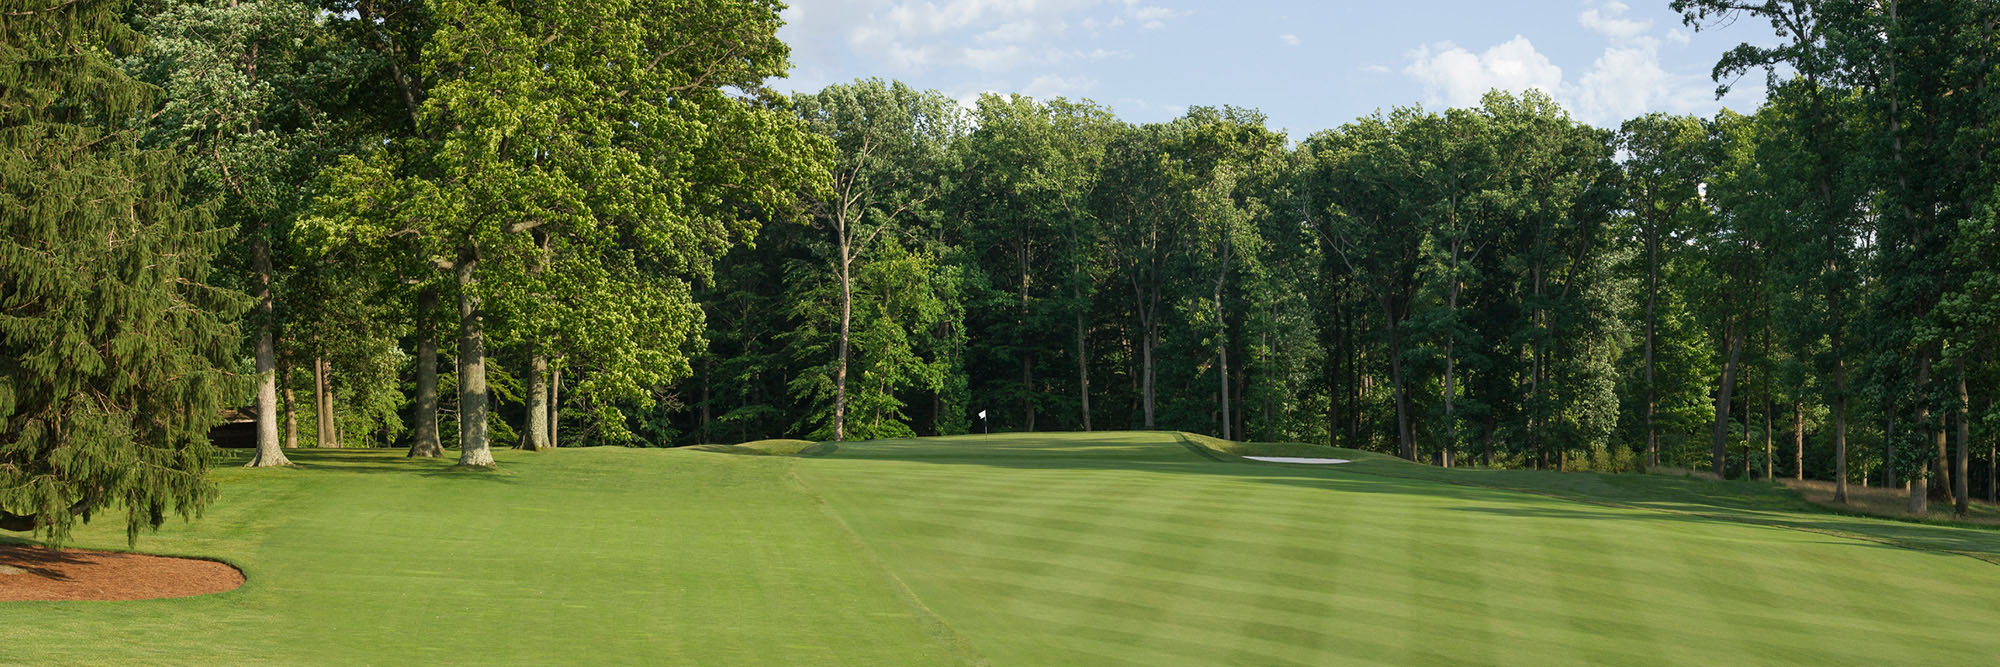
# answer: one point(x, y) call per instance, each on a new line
point(982, 414)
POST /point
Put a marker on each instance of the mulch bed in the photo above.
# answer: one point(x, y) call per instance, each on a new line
point(34, 573)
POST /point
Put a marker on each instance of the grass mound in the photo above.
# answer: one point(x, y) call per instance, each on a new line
point(773, 447)
point(1298, 449)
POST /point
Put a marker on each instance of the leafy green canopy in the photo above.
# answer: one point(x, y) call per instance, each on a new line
point(586, 162)
point(113, 351)
point(871, 255)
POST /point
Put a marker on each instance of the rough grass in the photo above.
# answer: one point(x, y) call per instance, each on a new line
point(1891, 503)
point(774, 447)
point(1101, 548)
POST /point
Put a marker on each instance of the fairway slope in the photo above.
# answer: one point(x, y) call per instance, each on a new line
point(1130, 548)
point(1096, 548)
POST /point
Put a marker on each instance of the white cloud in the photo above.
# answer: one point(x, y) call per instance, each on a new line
point(1453, 76)
point(1623, 83)
point(1678, 36)
point(1017, 31)
point(1627, 80)
point(912, 36)
point(1152, 17)
point(1609, 20)
point(1289, 39)
point(1050, 86)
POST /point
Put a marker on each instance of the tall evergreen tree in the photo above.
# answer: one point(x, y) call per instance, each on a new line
point(115, 352)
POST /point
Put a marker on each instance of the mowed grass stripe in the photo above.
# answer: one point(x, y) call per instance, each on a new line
point(1268, 565)
point(1047, 549)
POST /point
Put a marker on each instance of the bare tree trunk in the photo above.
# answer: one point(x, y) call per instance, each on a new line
point(1150, 338)
point(268, 452)
point(707, 399)
point(1222, 355)
point(1406, 442)
point(1961, 504)
point(1919, 485)
point(474, 446)
point(1652, 297)
point(1799, 441)
point(846, 328)
point(1770, 460)
point(1770, 457)
point(1450, 377)
point(1021, 338)
point(1083, 370)
point(323, 405)
point(1721, 437)
point(1492, 425)
point(1941, 481)
point(1269, 420)
point(1840, 431)
point(291, 419)
point(426, 443)
point(1889, 451)
point(555, 406)
point(535, 437)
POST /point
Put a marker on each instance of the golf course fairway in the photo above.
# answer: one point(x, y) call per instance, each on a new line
point(1095, 548)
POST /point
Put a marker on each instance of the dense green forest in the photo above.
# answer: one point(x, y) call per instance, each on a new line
point(461, 224)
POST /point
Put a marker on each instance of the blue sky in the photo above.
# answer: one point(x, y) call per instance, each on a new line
point(1309, 66)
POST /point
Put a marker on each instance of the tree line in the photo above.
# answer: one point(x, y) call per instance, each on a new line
point(619, 234)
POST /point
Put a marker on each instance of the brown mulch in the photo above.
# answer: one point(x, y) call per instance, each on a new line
point(34, 573)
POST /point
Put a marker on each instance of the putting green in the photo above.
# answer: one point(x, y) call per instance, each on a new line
point(1139, 548)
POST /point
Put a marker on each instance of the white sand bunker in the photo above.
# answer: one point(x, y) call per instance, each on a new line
point(1295, 459)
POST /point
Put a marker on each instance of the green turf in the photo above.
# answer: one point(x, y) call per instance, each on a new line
point(1049, 549)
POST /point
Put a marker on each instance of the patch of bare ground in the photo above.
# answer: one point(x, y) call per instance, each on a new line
point(1890, 502)
point(29, 572)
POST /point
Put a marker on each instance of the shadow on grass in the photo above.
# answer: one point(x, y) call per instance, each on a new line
point(1621, 497)
point(388, 461)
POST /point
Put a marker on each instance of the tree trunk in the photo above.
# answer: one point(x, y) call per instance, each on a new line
point(1940, 475)
point(1721, 436)
point(707, 399)
point(1021, 339)
point(846, 328)
point(1652, 297)
point(426, 444)
point(1148, 339)
point(268, 452)
point(1406, 442)
point(1770, 459)
point(1450, 377)
point(1941, 481)
point(1492, 430)
point(1919, 496)
point(1222, 358)
point(1083, 370)
point(555, 406)
point(1961, 504)
point(1799, 441)
point(291, 419)
point(1840, 430)
point(1770, 453)
point(535, 437)
point(474, 447)
point(323, 405)
point(1889, 451)
point(1919, 484)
